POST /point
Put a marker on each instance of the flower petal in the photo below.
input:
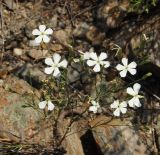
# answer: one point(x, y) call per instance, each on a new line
point(136, 87)
point(49, 31)
point(49, 61)
point(46, 39)
point(93, 109)
point(132, 71)
point(38, 39)
point(56, 72)
point(123, 104)
point(123, 110)
point(56, 58)
point(115, 104)
point(86, 56)
point(93, 55)
point(42, 104)
point(36, 32)
point(137, 102)
point(131, 102)
point(63, 63)
point(134, 102)
point(132, 65)
point(49, 70)
point(33, 43)
point(125, 61)
point(91, 62)
point(42, 28)
point(116, 112)
point(94, 103)
point(123, 73)
point(120, 67)
point(91, 50)
point(97, 68)
point(50, 106)
point(102, 56)
point(130, 91)
point(106, 64)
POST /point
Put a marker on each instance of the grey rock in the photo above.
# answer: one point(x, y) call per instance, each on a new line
point(32, 74)
point(81, 30)
point(117, 137)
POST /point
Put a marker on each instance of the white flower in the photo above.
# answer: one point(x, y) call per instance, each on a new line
point(55, 64)
point(94, 107)
point(97, 61)
point(134, 92)
point(86, 55)
point(120, 107)
point(42, 34)
point(126, 67)
point(43, 104)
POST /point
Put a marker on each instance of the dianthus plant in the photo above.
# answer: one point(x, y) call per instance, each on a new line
point(90, 92)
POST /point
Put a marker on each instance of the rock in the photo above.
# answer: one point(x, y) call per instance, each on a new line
point(10, 45)
point(95, 36)
point(135, 42)
point(20, 124)
point(1, 82)
point(33, 43)
point(37, 54)
point(74, 72)
point(10, 4)
point(17, 51)
point(157, 129)
point(56, 47)
point(32, 74)
point(118, 137)
point(17, 85)
point(72, 142)
point(62, 37)
point(111, 13)
point(54, 21)
point(3, 73)
point(81, 30)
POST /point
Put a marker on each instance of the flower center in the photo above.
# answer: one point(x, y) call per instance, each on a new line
point(119, 106)
point(126, 67)
point(98, 61)
point(42, 33)
point(55, 65)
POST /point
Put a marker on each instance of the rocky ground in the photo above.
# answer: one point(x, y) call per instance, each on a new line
point(78, 25)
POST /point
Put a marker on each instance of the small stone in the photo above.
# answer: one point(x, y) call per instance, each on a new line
point(111, 13)
point(54, 21)
point(1, 82)
point(135, 42)
point(32, 74)
point(73, 75)
point(10, 4)
point(17, 51)
point(37, 54)
point(17, 85)
point(62, 25)
point(62, 37)
point(56, 47)
point(81, 30)
point(95, 36)
point(33, 43)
